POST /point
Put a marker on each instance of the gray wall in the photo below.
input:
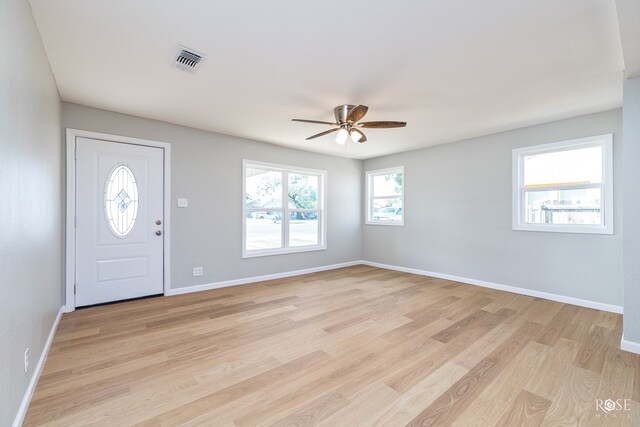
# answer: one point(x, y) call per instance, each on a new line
point(458, 217)
point(30, 212)
point(206, 168)
point(631, 188)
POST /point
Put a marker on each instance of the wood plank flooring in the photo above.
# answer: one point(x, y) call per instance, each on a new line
point(359, 346)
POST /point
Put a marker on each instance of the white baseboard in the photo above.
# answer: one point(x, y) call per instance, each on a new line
point(630, 346)
point(246, 280)
point(516, 290)
point(22, 411)
point(523, 291)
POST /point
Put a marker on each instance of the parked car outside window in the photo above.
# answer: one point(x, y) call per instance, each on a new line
point(388, 214)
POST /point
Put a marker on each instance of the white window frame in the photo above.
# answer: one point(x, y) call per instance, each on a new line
point(322, 218)
point(370, 198)
point(606, 227)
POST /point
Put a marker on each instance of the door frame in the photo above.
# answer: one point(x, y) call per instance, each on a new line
point(70, 268)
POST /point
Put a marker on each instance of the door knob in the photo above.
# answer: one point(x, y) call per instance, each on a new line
point(158, 222)
point(158, 233)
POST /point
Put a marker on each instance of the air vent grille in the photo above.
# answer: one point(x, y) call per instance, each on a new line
point(187, 59)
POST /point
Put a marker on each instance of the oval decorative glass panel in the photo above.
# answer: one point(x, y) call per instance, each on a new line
point(121, 200)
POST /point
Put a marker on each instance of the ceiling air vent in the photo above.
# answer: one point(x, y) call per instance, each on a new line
point(188, 59)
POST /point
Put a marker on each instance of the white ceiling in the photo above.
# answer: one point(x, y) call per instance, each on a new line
point(451, 69)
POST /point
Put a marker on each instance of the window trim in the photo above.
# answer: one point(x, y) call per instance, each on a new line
point(370, 197)
point(322, 208)
point(518, 154)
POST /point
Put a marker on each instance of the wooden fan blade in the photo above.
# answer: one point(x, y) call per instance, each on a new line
point(363, 137)
point(313, 121)
point(382, 124)
point(323, 133)
point(357, 113)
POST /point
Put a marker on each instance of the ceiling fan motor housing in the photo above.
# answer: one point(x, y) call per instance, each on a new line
point(342, 111)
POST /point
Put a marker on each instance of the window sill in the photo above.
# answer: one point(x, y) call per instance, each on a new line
point(387, 223)
point(281, 251)
point(575, 229)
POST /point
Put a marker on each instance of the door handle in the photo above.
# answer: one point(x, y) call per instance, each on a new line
point(158, 233)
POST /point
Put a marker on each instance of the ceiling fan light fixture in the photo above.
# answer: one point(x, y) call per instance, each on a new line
point(342, 136)
point(356, 135)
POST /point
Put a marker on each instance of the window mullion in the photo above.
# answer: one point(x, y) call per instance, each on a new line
point(263, 209)
point(399, 196)
point(522, 206)
point(285, 207)
point(369, 190)
point(562, 187)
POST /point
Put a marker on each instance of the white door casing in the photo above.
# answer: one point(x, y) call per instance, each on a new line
point(119, 251)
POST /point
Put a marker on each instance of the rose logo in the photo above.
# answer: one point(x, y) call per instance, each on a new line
point(608, 405)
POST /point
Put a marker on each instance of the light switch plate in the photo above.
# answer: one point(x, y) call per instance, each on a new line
point(183, 203)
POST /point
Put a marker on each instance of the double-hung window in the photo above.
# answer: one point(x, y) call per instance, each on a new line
point(385, 196)
point(283, 209)
point(564, 186)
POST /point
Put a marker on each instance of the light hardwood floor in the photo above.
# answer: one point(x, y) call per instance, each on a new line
point(359, 346)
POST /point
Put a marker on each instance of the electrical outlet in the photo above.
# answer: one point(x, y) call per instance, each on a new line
point(183, 203)
point(26, 360)
point(197, 271)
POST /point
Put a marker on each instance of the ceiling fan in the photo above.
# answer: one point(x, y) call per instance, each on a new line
point(348, 124)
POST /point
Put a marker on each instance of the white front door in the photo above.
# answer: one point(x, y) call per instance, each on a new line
point(119, 221)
